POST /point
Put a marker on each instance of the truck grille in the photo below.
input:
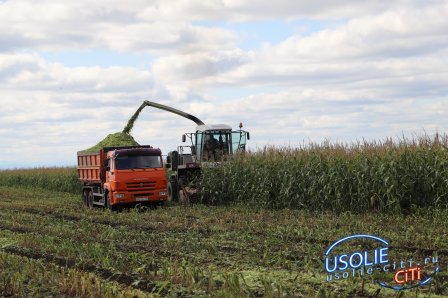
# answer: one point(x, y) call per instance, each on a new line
point(141, 186)
point(143, 195)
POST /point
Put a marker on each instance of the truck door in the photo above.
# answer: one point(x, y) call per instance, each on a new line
point(110, 175)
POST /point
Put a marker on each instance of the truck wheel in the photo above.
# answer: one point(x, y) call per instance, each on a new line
point(90, 199)
point(107, 202)
point(173, 191)
point(85, 197)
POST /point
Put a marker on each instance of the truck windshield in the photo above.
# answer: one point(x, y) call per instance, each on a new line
point(128, 162)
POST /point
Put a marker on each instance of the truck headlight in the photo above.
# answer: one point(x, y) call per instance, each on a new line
point(162, 193)
point(119, 195)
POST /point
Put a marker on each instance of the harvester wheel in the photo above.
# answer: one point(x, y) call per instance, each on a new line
point(173, 192)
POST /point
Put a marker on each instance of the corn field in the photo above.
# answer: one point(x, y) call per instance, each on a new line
point(382, 176)
point(376, 176)
point(64, 179)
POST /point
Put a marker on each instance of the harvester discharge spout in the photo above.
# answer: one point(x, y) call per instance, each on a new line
point(148, 103)
point(173, 110)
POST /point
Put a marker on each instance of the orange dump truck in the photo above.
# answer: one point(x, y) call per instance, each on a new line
point(118, 176)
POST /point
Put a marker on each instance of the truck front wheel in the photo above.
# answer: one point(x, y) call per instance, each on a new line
point(107, 203)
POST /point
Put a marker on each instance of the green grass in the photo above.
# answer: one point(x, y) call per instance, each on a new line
point(50, 245)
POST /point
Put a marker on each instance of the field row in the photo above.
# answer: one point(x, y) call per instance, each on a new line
point(189, 250)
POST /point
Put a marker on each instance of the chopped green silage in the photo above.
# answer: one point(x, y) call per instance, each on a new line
point(127, 129)
point(123, 138)
point(115, 139)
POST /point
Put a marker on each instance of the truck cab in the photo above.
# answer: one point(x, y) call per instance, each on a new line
point(119, 176)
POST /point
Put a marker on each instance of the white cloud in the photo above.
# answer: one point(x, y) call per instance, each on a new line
point(390, 47)
point(157, 26)
point(380, 70)
point(250, 10)
point(49, 105)
point(32, 72)
point(55, 26)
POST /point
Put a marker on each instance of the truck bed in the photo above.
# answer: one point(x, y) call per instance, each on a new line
point(89, 166)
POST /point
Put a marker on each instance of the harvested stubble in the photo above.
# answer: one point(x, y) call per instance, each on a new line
point(383, 176)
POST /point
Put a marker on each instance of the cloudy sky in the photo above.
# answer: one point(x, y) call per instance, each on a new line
point(292, 71)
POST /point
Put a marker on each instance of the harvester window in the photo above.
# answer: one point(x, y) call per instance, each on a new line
point(198, 145)
point(216, 145)
point(238, 141)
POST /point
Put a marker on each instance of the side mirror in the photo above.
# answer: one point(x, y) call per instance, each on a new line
point(184, 138)
point(168, 166)
point(248, 135)
point(168, 159)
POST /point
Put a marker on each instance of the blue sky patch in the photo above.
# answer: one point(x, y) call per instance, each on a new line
point(254, 34)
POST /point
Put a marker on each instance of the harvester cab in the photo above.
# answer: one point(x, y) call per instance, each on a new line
point(213, 143)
